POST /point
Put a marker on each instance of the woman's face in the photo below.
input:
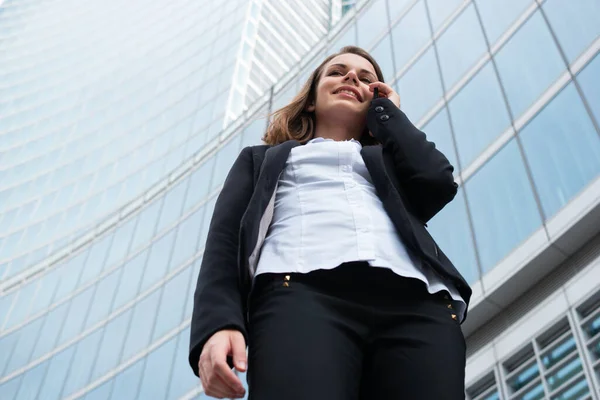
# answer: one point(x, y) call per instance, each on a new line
point(343, 90)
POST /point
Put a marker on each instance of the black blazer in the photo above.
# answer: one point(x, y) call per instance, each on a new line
point(412, 178)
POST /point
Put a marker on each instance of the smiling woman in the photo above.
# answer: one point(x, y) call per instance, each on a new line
point(318, 258)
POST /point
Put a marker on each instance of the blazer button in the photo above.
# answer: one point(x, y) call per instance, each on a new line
point(384, 117)
point(379, 109)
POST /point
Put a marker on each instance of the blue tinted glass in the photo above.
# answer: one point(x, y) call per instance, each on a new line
point(451, 231)
point(420, 88)
point(171, 209)
point(51, 328)
point(102, 392)
point(479, 114)
point(172, 304)
point(440, 10)
point(396, 7)
point(127, 382)
point(6, 303)
point(46, 290)
point(347, 38)
point(410, 34)
point(103, 296)
point(254, 132)
point(187, 238)
point(32, 381)
point(130, 280)
point(438, 132)
point(81, 364)
point(372, 23)
point(575, 24)
point(7, 346)
point(140, 328)
point(199, 184)
point(95, 262)
point(589, 79)
point(382, 53)
point(157, 371)
point(460, 46)
point(109, 351)
point(56, 374)
point(498, 15)
point(70, 275)
point(10, 389)
point(119, 246)
point(146, 224)
point(540, 64)
point(225, 159)
point(182, 380)
point(563, 149)
point(24, 346)
point(75, 318)
point(21, 306)
point(158, 261)
point(502, 205)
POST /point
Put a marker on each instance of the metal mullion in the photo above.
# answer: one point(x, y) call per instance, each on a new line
point(584, 355)
point(565, 385)
point(538, 360)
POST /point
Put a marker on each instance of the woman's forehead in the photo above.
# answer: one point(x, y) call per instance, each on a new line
point(352, 61)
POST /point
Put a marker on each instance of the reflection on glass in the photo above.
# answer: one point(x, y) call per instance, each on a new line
point(420, 88)
point(81, 365)
point(498, 15)
point(503, 208)
point(540, 64)
point(575, 26)
point(559, 352)
point(127, 382)
point(563, 150)
point(157, 371)
point(524, 377)
point(577, 391)
point(440, 10)
point(564, 373)
point(460, 46)
point(372, 23)
point(410, 34)
point(479, 114)
point(383, 55)
point(395, 7)
point(450, 229)
point(589, 79)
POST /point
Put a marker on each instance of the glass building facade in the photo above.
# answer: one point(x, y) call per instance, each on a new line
point(119, 123)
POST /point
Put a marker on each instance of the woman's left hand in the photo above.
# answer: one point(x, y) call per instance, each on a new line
point(386, 90)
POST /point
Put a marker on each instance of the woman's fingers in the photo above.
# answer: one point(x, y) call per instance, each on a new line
point(386, 90)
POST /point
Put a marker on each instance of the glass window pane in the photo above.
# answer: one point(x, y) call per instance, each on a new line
point(347, 38)
point(102, 392)
point(540, 64)
point(420, 88)
point(182, 380)
point(10, 388)
point(563, 149)
point(575, 24)
point(450, 229)
point(130, 280)
point(589, 79)
point(95, 262)
point(109, 351)
point(78, 310)
point(507, 205)
point(254, 132)
point(140, 328)
point(51, 328)
point(171, 210)
point(225, 159)
point(46, 290)
point(371, 23)
point(438, 132)
point(22, 351)
point(119, 246)
point(172, 304)
point(56, 374)
point(146, 224)
point(21, 305)
point(70, 275)
point(498, 15)
point(200, 181)
point(157, 371)
point(186, 241)
point(396, 7)
point(440, 10)
point(31, 383)
point(81, 365)
point(100, 306)
point(479, 114)
point(382, 53)
point(460, 46)
point(158, 261)
point(127, 382)
point(410, 34)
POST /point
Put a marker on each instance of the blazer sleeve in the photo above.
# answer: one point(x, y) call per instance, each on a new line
point(425, 173)
point(218, 302)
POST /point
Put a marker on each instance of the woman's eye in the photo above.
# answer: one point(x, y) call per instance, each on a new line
point(367, 81)
point(335, 73)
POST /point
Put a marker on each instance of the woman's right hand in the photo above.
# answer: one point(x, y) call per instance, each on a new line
point(217, 378)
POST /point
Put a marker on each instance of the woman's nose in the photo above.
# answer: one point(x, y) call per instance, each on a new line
point(351, 75)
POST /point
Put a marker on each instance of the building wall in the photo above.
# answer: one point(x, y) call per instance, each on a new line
point(508, 90)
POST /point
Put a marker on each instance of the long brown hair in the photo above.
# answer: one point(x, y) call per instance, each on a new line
point(294, 122)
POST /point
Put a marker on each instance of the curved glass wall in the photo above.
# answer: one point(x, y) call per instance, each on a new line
point(508, 90)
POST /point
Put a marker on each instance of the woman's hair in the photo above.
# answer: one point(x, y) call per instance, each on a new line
point(293, 122)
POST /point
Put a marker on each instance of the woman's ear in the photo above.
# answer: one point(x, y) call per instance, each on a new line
point(310, 107)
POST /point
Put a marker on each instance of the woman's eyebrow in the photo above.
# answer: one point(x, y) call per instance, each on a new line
point(345, 66)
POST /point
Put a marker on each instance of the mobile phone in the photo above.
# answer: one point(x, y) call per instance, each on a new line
point(376, 93)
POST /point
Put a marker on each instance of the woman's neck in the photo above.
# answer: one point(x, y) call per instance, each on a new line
point(337, 132)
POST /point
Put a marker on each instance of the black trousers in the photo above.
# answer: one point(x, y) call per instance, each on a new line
point(354, 332)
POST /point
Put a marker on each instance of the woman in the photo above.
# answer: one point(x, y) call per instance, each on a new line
point(351, 298)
